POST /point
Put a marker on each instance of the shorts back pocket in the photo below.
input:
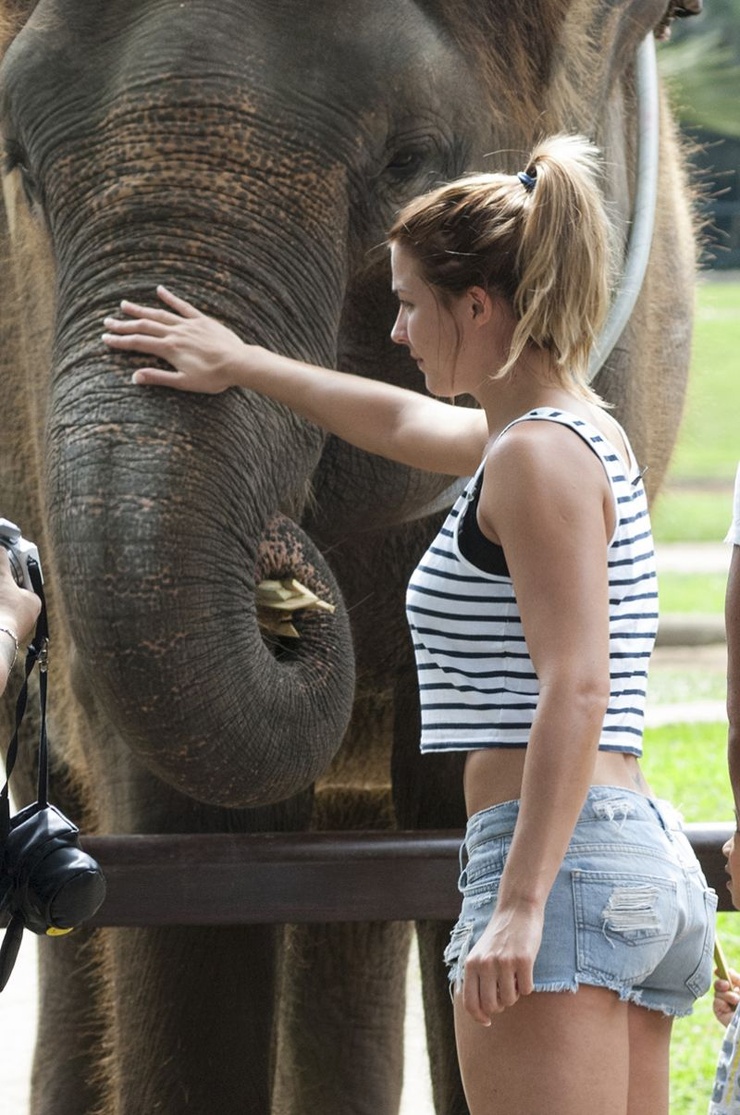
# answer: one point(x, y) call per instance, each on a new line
point(625, 923)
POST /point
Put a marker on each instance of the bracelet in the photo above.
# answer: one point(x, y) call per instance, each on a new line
point(7, 631)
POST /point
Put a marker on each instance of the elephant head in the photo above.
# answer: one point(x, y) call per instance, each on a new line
point(251, 156)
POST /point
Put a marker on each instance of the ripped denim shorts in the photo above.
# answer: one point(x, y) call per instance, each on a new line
point(629, 909)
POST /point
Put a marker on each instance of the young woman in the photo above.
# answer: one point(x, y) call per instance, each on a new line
point(585, 924)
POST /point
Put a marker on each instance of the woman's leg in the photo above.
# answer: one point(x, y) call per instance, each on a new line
point(554, 1052)
point(649, 1038)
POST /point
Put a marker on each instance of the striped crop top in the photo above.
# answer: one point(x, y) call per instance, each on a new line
point(477, 684)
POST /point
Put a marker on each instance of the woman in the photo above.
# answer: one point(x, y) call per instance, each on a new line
point(585, 924)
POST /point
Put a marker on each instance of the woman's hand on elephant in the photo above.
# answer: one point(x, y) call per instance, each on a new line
point(499, 968)
point(204, 355)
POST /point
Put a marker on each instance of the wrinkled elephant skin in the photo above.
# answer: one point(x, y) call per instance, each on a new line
point(252, 155)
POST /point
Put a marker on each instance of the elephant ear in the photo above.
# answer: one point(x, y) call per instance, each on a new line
point(551, 64)
point(13, 15)
point(513, 49)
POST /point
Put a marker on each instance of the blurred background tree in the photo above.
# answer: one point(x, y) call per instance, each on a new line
point(701, 66)
point(701, 63)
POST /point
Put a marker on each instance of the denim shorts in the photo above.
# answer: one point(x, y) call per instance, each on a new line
point(629, 910)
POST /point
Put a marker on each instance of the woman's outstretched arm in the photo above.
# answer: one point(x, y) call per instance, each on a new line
point(378, 417)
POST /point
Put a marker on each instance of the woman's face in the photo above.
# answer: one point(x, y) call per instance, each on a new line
point(731, 851)
point(430, 331)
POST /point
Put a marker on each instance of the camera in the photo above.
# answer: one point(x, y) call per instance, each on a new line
point(48, 884)
point(21, 553)
point(46, 878)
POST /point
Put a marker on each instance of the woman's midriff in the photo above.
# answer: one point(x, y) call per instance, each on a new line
point(495, 775)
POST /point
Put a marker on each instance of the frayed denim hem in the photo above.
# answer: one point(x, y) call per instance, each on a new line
point(626, 994)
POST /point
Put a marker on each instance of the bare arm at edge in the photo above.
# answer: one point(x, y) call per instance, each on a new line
point(732, 628)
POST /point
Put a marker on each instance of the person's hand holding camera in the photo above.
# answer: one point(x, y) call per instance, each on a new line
point(48, 883)
point(19, 610)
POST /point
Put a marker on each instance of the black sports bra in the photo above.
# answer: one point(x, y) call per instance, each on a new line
point(480, 551)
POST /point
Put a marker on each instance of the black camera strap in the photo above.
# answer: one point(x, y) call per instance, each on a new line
point(48, 883)
point(37, 652)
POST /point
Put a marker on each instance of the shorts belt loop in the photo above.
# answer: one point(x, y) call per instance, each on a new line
point(664, 819)
point(463, 856)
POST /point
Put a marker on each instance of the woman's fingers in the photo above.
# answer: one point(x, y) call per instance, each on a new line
point(197, 348)
point(489, 988)
point(149, 313)
point(159, 377)
point(471, 993)
point(137, 342)
point(181, 308)
point(154, 328)
point(497, 991)
point(525, 979)
point(185, 309)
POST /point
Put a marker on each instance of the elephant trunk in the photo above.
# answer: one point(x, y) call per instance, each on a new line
point(164, 515)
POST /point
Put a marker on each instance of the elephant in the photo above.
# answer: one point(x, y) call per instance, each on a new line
point(251, 155)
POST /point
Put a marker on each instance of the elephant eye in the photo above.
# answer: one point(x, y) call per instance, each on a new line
point(15, 159)
point(406, 162)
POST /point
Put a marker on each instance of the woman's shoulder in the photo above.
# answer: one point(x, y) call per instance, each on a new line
point(597, 429)
point(541, 453)
point(543, 467)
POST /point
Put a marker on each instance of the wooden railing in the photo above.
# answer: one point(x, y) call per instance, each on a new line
point(225, 879)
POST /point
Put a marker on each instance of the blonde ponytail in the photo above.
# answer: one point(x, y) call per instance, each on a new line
point(538, 238)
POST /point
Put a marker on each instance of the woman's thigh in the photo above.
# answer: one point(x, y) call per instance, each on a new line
point(562, 1053)
point(650, 1039)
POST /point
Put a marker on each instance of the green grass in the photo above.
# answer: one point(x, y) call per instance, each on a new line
point(695, 504)
point(708, 443)
point(686, 763)
point(692, 592)
point(690, 516)
point(673, 686)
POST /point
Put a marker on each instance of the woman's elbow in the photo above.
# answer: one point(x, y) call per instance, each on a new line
point(585, 695)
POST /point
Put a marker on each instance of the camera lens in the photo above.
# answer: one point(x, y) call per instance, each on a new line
point(68, 887)
point(78, 899)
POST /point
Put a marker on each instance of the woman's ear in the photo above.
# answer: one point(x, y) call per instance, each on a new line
point(481, 305)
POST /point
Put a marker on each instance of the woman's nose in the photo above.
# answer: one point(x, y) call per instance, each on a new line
point(398, 332)
point(727, 847)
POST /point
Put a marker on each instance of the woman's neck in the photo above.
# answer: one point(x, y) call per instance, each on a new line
point(506, 399)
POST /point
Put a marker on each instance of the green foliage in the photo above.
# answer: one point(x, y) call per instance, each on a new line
point(701, 65)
